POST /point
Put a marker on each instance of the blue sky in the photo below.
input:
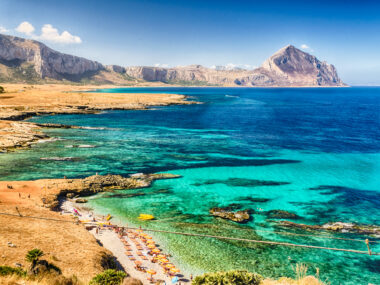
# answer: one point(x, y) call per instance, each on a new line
point(139, 32)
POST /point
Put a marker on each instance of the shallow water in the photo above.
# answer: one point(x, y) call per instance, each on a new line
point(313, 152)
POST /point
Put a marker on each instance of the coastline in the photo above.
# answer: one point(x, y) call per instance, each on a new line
point(23, 101)
point(41, 199)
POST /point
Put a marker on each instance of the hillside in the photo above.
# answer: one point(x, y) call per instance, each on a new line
point(29, 61)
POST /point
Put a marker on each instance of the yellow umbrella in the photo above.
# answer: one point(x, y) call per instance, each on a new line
point(151, 246)
point(161, 256)
point(151, 271)
point(156, 250)
point(148, 237)
point(150, 241)
point(174, 270)
point(164, 260)
point(170, 266)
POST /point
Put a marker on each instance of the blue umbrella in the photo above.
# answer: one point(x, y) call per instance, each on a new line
point(175, 280)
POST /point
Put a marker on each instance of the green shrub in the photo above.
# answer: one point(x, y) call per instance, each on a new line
point(233, 277)
point(108, 277)
point(7, 270)
point(2, 89)
point(34, 255)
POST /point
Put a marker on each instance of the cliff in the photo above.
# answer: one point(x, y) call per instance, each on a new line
point(40, 61)
point(23, 60)
point(287, 67)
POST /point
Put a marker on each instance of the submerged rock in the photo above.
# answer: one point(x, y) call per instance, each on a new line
point(227, 213)
point(281, 214)
point(337, 227)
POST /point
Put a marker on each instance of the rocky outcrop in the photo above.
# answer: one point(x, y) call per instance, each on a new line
point(293, 67)
point(281, 214)
point(116, 68)
point(337, 227)
point(95, 184)
point(227, 213)
point(287, 67)
point(47, 63)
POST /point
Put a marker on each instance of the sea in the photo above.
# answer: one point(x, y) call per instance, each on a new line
point(312, 152)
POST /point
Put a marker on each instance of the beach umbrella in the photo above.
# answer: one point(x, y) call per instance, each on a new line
point(137, 262)
point(164, 260)
point(151, 272)
point(170, 266)
point(151, 246)
point(148, 237)
point(161, 256)
point(150, 241)
point(156, 250)
point(175, 270)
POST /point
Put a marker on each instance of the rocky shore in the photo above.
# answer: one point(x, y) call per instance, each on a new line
point(20, 102)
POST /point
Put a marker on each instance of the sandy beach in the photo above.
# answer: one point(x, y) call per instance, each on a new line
point(132, 248)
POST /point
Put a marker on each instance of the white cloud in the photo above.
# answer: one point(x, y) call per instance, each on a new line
point(232, 66)
point(3, 30)
point(25, 28)
point(306, 47)
point(51, 34)
point(48, 33)
point(161, 65)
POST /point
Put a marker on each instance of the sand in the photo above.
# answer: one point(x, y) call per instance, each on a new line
point(112, 242)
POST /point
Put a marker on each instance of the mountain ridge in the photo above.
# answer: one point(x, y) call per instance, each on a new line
point(29, 60)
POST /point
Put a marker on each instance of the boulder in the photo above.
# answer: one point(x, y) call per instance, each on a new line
point(227, 213)
point(281, 214)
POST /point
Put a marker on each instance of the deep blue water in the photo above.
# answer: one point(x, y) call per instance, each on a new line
point(311, 151)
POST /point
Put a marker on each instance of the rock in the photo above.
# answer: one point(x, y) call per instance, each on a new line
point(81, 200)
point(337, 227)
point(45, 61)
point(281, 214)
point(116, 68)
point(226, 213)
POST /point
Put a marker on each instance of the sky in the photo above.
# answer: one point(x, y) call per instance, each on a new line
point(182, 32)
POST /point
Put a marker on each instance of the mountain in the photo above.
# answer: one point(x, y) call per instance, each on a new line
point(23, 60)
point(287, 67)
point(37, 60)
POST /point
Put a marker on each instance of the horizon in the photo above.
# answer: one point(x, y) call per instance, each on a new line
point(210, 33)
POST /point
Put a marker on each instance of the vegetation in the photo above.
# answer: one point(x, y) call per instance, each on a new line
point(233, 277)
point(7, 270)
point(34, 255)
point(109, 277)
point(2, 90)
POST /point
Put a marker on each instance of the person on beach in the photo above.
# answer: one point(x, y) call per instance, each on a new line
point(97, 230)
point(191, 277)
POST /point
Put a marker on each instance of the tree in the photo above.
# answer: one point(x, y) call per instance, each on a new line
point(2, 90)
point(233, 277)
point(109, 277)
point(34, 255)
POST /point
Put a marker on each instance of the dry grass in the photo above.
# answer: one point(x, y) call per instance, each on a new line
point(66, 245)
point(41, 280)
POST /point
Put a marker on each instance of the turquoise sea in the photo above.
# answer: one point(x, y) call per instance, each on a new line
point(314, 152)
